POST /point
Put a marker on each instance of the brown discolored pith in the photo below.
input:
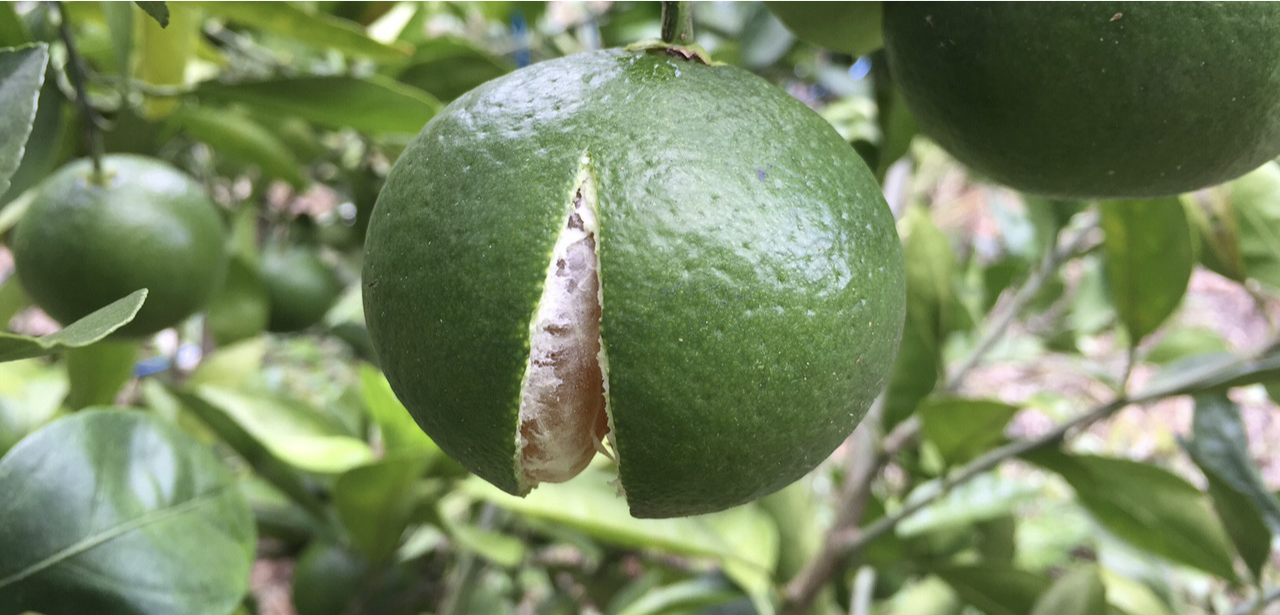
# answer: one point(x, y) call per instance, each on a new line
point(562, 406)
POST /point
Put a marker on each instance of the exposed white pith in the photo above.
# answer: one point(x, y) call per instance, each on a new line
point(563, 417)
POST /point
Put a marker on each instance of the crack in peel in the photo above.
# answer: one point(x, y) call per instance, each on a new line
point(563, 420)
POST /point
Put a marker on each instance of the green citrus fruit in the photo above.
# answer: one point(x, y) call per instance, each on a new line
point(301, 287)
point(83, 244)
point(676, 258)
point(1091, 99)
point(846, 27)
point(241, 308)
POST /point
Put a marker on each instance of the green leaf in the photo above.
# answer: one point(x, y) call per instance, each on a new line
point(399, 431)
point(448, 67)
point(13, 31)
point(1255, 201)
point(375, 502)
point(97, 372)
point(989, 496)
point(373, 104)
point(929, 596)
point(164, 49)
point(1078, 592)
point(259, 457)
point(502, 550)
point(21, 76)
point(1185, 342)
point(119, 18)
point(1219, 444)
point(1146, 506)
point(763, 39)
point(589, 504)
point(995, 589)
point(236, 136)
point(691, 596)
point(318, 29)
point(964, 428)
point(231, 365)
point(1149, 258)
point(845, 27)
point(158, 11)
point(83, 332)
point(103, 511)
point(294, 432)
point(929, 264)
point(1132, 597)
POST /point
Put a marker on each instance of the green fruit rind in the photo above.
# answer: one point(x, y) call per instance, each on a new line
point(82, 245)
point(1093, 100)
point(751, 276)
point(846, 27)
point(301, 287)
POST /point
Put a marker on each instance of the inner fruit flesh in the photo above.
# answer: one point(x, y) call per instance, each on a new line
point(562, 406)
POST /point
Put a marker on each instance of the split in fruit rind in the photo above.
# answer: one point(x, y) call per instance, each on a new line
point(564, 393)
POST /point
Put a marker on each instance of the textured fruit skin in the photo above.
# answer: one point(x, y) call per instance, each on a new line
point(751, 274)
point(1093, 99)
point(82, 245)
point(846, 27)
point(301, 287)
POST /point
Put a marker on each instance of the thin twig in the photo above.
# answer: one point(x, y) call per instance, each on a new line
point(78, 74)
point(844, 542)
point(1255, 606)
point(1009, 311)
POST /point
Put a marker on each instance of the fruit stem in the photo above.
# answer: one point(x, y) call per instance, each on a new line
point(76, 72)
point(677, 23)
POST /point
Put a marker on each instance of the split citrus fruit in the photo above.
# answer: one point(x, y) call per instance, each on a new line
point(1090, 99)
point(633, 252)
point(84, 243)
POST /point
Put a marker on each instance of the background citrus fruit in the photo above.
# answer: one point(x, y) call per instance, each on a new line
point(82, 245)
point(846, 27)
point(1091, 99)
point(301, 287)
point(743, 278)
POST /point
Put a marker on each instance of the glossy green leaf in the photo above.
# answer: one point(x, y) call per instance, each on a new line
point(31, 394)
point(158, 11)
point(164, 49)
point(1132, 597)
point(995, 589)
point(590, 505)
point(691, 596)
point(1148, 507)
point(103, 511)
point(288, 21)
point(295, 433)
point(500, 549)
point(22, 73)
point(1149, 257)
point(929, 596)
point(929, 264)
point(400, 433)
point(1184, 342)
point(50, 143)
point(375, 502)
point(83, 332)
point(1220, 444)
point(97, 372)
point(236, 136)
point(13, 31)
point(962, 429)
point(1255, 205)
point(1078, 592)
point(373, 104)
point(448, 67)
point(271, 468)
point(119, 18)
point(232, 365)
point(989, 496)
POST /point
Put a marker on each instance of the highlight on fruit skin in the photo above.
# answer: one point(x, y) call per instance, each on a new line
point(1093, 100)
point(84, 243)
point(676, 264)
